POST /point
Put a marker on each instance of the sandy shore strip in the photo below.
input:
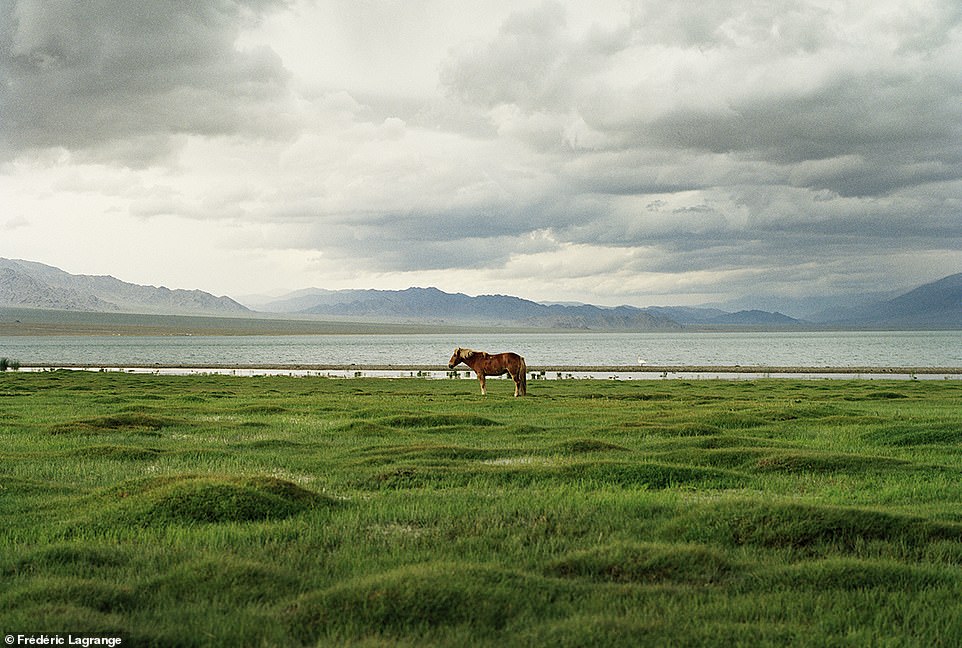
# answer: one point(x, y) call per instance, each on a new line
point(615, 372)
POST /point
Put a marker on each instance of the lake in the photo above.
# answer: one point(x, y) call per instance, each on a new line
point(577, 349)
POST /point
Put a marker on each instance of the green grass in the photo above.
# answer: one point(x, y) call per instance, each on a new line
point(215, 510)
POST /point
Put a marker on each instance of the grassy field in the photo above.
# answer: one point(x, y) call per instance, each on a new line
point(308, 511)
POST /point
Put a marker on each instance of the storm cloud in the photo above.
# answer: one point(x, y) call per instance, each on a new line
point(643, 152)
point(104, 74)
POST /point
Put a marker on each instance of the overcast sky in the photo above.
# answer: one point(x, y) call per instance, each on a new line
point(643, 152)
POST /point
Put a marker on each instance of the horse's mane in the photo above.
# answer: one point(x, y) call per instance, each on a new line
point(466, 353)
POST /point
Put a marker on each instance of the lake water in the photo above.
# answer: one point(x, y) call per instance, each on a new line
point(797, 349)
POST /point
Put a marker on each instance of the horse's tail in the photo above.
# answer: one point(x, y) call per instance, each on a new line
point(523, 369)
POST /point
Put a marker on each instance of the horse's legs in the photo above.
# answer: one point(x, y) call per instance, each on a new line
point(520, 382)
point(484, 391)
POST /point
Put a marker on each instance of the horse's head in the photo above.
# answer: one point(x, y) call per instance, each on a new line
point(456, 358)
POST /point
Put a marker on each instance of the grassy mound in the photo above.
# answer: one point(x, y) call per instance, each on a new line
point(204, 499)
point(426, 421)
point(417, 599)
point(595, 630)
point(523, 474)
point(122, 453)
point(806, 527)
point(645, 563)
point(812, 462)
point(427, 451)
point(650, 475)
point(910, 433)
point(54, 591)
point(123, 422)
point(854, 574)
point(675, 627)
point(583, 446)
point(69, 558)
point(238, 581)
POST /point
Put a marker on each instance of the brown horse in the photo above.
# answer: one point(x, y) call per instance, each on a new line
point(486, 364)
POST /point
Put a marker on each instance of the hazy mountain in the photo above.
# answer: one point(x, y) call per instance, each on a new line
point(19, 288)
point(754, 318)
point(291, 302)
point(709, 317)
point(688, 315)
point(587, 316)
point(933, 305)
point(936, 305)
point(433, 305)
point(35, 285)
point(815, 308)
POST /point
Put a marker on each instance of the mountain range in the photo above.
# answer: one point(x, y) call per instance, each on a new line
point(433, 305)
point(27, 284)
point(933, 305)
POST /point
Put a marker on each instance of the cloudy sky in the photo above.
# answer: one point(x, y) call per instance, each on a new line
point(626, 151)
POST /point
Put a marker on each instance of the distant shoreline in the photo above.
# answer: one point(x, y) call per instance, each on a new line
point(28, 322)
